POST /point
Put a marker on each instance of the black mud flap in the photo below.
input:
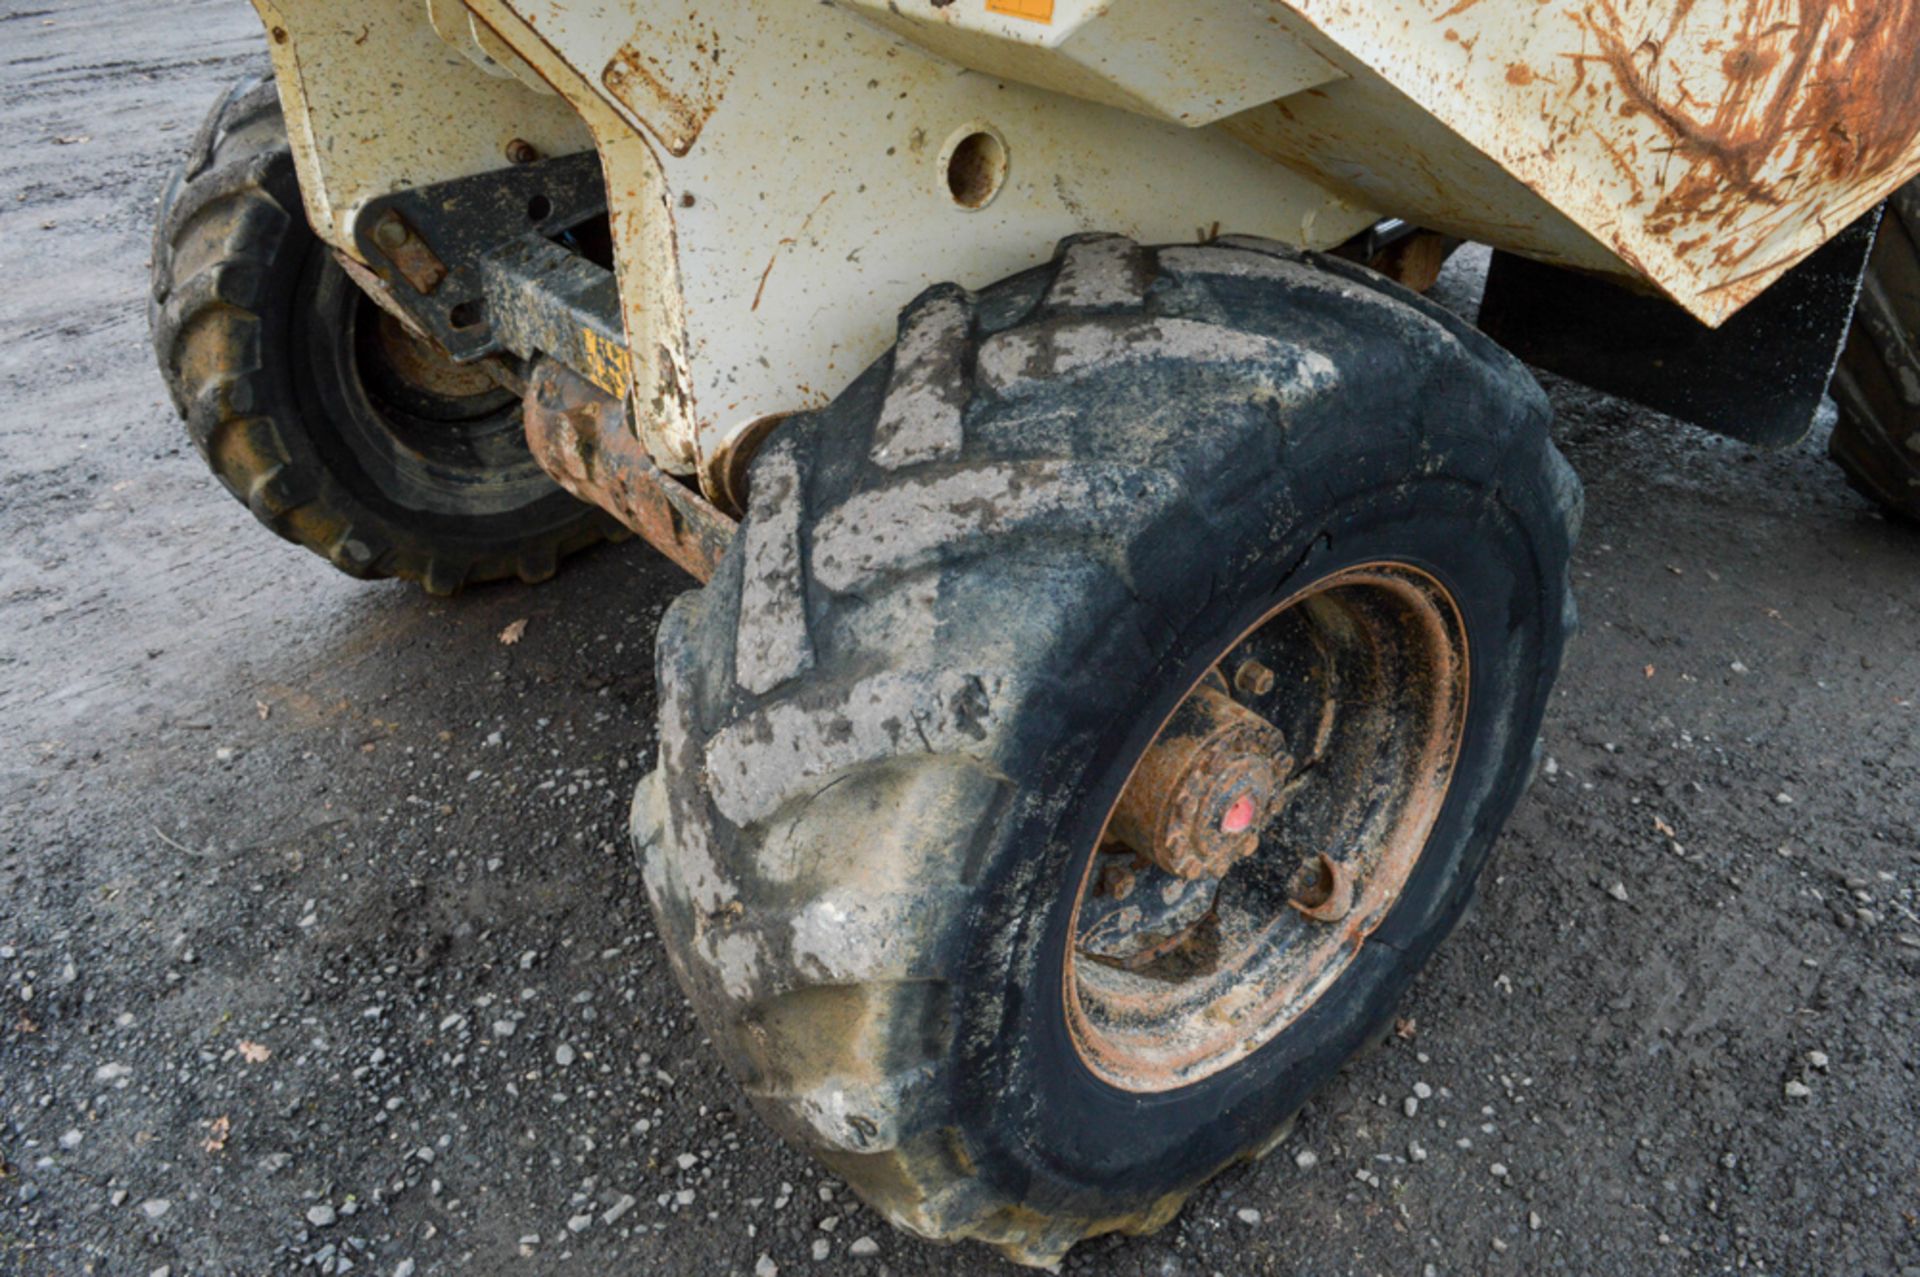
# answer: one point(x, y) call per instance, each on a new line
point(1760, 378)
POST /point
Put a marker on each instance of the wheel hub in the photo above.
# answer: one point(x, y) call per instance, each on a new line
point(1197, 802)
point(421, 365)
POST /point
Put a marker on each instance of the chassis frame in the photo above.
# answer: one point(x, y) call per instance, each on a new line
point(779, 179)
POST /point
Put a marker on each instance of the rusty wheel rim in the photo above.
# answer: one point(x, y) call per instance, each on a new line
point(416, 363)
point(1363, 679)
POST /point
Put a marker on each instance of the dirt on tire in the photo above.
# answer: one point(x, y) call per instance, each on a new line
point(956, 589)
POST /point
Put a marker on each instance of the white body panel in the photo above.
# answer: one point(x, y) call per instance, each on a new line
point(778, 171)
point(798, 159)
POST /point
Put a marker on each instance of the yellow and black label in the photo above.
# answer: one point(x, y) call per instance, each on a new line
point(605, 362)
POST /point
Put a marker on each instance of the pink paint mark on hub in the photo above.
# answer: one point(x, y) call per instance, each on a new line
point(1239, 817)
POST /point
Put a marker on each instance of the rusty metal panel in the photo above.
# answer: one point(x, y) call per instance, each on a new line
point(782, 178)
point(1704, 145)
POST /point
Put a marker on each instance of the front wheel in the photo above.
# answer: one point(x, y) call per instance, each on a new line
point(1109, 704)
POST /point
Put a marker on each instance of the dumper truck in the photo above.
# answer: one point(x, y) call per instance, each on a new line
point(1127, 604)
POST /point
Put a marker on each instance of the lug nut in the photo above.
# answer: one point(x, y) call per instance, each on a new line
point(1327, 894)
point(521, 151)
point(1117, 881)
point(1254, 679)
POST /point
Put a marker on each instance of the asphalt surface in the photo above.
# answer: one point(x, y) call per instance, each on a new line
point(320, 943)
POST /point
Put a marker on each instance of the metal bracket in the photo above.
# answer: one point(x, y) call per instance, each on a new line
point(544, 300)
point(428, 243)
point(584, 438)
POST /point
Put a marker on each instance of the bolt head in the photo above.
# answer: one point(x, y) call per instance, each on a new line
point(391, 232)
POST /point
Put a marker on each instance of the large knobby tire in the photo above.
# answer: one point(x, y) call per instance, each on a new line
point(965, 597)
point(1877, 439)
point(338, 430)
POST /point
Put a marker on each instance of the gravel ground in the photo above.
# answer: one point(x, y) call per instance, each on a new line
point(321, 949)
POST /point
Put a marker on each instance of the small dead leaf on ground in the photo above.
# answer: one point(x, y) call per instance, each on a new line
point(217, 1131)
point(1665, 829)
point(1405, 1027)
point(254, 1052)
point(514, 633)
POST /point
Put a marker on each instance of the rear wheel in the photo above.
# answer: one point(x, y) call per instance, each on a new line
point(1109, 703)
point(337, 427)
point(1877, 439)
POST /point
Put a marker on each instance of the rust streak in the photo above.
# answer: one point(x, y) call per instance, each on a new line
point(767, 274)
point(784, 245)
point(1816, 91)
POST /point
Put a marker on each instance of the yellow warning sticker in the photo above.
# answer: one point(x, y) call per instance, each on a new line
point(1036, 10)
point(607, 363)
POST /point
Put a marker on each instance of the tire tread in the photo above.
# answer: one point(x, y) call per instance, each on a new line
point(734, 876)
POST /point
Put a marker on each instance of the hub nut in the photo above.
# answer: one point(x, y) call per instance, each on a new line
point(1200, 796)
